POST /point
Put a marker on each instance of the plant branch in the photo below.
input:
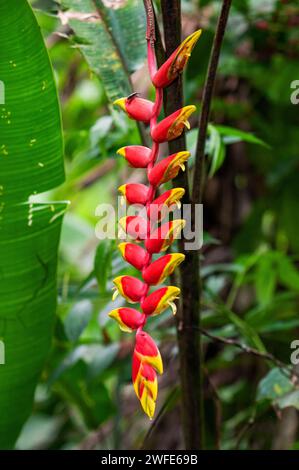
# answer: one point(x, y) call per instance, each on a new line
point(248, 350)
point(189, 309)
point(199, 170)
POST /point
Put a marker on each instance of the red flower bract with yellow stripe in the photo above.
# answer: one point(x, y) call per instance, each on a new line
point(134, 193)
point(151, 229)
point(163, 267)
point(175, 64)
point(136, 108)
point(168, 168)
point(173, 126)
point(136, 155)
point(128, 319)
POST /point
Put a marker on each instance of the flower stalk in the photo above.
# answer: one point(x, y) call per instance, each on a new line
point(154, 233)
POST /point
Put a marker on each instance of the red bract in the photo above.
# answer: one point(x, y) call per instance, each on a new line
point(162, 205)
point(163, 236)
point(136, 155)
point(145, 228)
point(172, 126)
point(175, 64)
point(136, 108)
point(131, 288)
point(135, 193)
point(160, 300)
point(128, 319)
point(147, 351)
point(157, 271)
point(135, 226)
point(168, 168)
point(134, 254)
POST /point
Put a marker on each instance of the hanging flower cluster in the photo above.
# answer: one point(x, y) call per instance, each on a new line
point(155, 234)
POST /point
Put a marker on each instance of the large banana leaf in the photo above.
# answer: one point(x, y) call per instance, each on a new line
point(111, 36)
point(31, 161)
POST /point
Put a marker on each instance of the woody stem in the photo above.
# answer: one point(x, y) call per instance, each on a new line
point(188, 315)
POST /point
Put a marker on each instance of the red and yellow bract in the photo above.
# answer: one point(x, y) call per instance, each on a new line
point(150, 229)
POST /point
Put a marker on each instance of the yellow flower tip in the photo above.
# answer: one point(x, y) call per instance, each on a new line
point(121, 102)
point(122, 189)
point(121, 151)
point(118, 286)
point(117, 280)
point(191, 40)
point(122, 247)
point(177, 193)
point(188, 110)
point(157, 363)
point(178, 258)
point(148, 404)
point(178, 225)
point(175, 196)
point(173, 292)
point(183, 156)
point(114, 314)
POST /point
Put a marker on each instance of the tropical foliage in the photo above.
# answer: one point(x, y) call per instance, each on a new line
point(67, 376)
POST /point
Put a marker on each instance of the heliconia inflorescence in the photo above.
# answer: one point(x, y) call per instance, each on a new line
point(154, 233)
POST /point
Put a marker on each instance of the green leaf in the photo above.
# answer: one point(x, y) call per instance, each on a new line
point(288, 273)
point(290, 399)
point(274, 385)
point(90, 397)
point(77, 319)
point(97, 357)
point(30, 162)
point(265, 279)
point(219, 137)
point(30, 116)
point(246, 330)
point(127, 21)
point(112, 40)
point(102, 263)
point(216, 150)
point(241, 136)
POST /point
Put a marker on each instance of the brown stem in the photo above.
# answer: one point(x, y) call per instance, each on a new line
point(285, 368)
point(199, 170)
point(189, 310)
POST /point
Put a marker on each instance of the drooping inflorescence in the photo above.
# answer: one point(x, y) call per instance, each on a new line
point(155, 234)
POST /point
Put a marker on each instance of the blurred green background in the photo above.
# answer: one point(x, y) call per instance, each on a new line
point(250, 257)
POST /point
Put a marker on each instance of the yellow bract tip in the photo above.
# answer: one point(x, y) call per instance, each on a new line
point(122, 248)
point(192, 39)
point(148, 404)
point(121, 151)
point(121, 102)
point(188, 110)
point(122, 189)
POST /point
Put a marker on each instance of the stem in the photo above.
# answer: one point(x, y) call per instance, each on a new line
point(199, 171)
point(284, 367)
point(188, 316)
point(152, 65)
